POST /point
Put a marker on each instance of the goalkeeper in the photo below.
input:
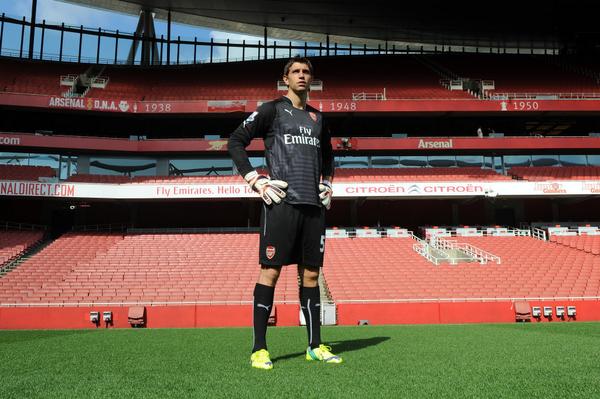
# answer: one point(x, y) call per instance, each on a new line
point(295, 195)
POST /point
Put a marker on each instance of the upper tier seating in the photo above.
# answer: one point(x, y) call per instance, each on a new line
point(402, 77)
point(518, 73)
point(35, 77)
point(15, 172)
point(542, 173)
point(13, 243)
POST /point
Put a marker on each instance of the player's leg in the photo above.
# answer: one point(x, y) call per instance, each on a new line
point(274, 252)
point(313, 249)
point(310, 303)
point(264, 291)
point(263, 303)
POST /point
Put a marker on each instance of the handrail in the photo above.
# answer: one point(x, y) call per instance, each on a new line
point(4, 225)
point(539, 234)
point(475, 252)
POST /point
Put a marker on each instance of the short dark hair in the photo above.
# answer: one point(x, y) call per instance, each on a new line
point(301, 60)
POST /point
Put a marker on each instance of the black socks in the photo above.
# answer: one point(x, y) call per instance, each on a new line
point(310, 303)
point(263, 303)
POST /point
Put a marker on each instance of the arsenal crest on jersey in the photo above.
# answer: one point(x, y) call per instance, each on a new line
point(313, 116)
point(270, 252)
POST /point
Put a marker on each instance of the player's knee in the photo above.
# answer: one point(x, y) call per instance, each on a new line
point(269, 275)
point(310, 277)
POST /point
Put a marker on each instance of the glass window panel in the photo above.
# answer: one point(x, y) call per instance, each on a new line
point(443, 161)
point(384, 161)
point(258, 162)
point(488, 162)
point(16, 158)
point(470, 160)
point(201, 167)
point(123, 166)
point(89, 46)
point(544, 160)
point(70, 46)
point(352, 162)
point(593, 160)
point(573, 160)
point(517, 160)
point(413, 161)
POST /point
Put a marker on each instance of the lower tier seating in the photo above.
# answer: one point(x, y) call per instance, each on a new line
point(13, 243)
point(366, 268)
point(222, 268)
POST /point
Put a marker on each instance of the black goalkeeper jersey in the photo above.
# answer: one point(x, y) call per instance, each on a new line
point(297, 147)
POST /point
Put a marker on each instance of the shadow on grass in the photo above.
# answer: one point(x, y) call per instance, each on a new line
point(339, 347)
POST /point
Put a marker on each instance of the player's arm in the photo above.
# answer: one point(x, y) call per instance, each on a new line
point(256, 125)
point(328, 162)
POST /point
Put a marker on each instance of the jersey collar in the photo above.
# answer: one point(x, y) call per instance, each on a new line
point(290, 103)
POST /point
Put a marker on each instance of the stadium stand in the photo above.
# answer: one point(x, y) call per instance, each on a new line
point(14, 172)
point(34, 77)
point(104, 267)
point(536, 74)
point(585, 243)
point(417, 174)
point(37, 279)
point(13, 243)
point(342, 175)
point(542, 173)
point(401, 78)
point(389, 269)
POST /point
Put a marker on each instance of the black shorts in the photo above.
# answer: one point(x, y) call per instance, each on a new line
point(292, 234)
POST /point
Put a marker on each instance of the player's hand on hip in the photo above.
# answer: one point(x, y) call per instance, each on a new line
point(325, 193)
point(271, 191)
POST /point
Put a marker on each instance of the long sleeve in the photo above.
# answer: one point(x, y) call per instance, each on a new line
point(256, 125)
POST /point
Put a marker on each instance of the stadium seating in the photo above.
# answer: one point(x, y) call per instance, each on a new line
point(585, 243)
point(97, 267)
point(389, 269)
point(222, 268)
point(537, 75)
point(417, 174)
point(106, 179)
point(401, 77)
point(13, 243)
point(542, 173)
point(38, 279)
point(14, 172)
point(342, 175)
point(35, 77)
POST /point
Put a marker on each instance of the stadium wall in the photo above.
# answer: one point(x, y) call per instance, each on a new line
point(202, 316)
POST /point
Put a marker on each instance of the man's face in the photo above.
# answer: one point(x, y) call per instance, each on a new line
point(298, 78)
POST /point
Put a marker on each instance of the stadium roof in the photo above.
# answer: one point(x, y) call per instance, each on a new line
point(455, 22)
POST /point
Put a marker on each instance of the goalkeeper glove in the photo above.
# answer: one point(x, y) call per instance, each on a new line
point(325, 193)
point(269, 190)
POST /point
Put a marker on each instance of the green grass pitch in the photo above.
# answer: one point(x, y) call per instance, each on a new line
point(430, 361)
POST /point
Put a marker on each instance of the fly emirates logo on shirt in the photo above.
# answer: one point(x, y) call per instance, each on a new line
point(304, 137)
